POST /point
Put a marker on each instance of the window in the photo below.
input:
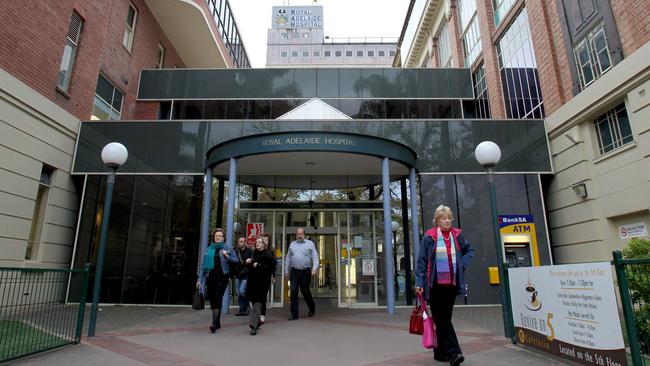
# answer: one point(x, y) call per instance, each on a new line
point(337, 53)
point(295, 35)
point(391, 53)
point(371, 53)
point(305, 53)
point(501, 8)
point(613, 129)
point(482, 102)
point(108, 101)
point(471, 35)
point(328, 53)
point(129, 33)
point(381, 53)
point(38, 217)
point(305, 35)
point(444, 47)
point(284, 54)
point(284, 35)
point(160, 58)
point(592, 56)
point(359, 53)
point(519, 78)
point(348, 53)
point(294, 53)
point(316, 53)
point(69, 52)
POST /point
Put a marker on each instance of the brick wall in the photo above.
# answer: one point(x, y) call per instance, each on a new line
point(122, 67)
point(31, 47)
point(34, 36)
point(489, 56)
point(633, 22)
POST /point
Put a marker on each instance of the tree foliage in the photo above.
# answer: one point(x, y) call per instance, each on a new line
point(639, 280)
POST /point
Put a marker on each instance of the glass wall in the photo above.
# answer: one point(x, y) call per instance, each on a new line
point(468, 197)
point(354, 108)
point(519, 77)
point(153, 239)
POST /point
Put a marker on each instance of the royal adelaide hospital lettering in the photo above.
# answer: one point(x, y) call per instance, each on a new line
point(280, 141)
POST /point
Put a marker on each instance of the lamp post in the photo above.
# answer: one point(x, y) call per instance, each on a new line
point(394, 226)
point(114, 155)
point(488, 154)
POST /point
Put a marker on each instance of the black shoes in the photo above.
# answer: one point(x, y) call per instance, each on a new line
point(293, 317)
point(456, 359)
point(214, 327)
point(242, 313)
point(311, 313)
point(441, 358)
point(253, 330)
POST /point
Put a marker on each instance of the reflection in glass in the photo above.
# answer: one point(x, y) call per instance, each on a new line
point(152, 247)
point(519, 77)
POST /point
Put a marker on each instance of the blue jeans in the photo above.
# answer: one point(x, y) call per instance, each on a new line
point(241, 294)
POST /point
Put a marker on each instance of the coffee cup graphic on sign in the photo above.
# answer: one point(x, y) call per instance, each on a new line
point(533, 303)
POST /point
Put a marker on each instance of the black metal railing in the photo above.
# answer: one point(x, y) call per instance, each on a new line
point(35, 315)
point(634, 286)
point(225, 21)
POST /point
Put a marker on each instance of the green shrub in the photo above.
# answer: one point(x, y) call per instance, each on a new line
point(639, 280)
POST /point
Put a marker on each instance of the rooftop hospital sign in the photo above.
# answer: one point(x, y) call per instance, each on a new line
point(297, 17)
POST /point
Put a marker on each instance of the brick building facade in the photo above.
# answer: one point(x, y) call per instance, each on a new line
point(581, 65)
point(59, 60)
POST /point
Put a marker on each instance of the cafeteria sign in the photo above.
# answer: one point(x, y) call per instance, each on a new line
point(569, 311)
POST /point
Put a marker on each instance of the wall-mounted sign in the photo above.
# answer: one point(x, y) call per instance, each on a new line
point(297, 17)
point(368, 267)
point(253, 230)
point(569, 311)
point(635, 230)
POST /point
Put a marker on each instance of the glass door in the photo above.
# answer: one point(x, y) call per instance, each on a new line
point(358, 259)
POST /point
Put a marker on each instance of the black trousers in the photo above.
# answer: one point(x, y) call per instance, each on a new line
point(300, 279)
point(216, 286)
point(441, 300)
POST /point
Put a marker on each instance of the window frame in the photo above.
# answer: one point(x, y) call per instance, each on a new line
point(129, 32)
point(160, 62)
point(593, 62)
point(611, 120)
point(110, 103)
point(63, 81)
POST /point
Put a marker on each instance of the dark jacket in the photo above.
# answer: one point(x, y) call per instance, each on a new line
point(425, 270)
point(259, 277)
point(240, 269)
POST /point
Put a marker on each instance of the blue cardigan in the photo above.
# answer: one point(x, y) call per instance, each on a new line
point(426, 266)
point(225, 266)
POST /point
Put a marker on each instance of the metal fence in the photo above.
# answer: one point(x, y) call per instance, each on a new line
point(634, 286)
point(34, 313)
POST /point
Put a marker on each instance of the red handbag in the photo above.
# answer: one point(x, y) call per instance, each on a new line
point(416, 323)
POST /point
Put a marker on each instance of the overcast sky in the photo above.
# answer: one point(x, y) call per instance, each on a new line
point(341, 18)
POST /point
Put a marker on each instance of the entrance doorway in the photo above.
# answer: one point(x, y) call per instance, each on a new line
point(346, 240)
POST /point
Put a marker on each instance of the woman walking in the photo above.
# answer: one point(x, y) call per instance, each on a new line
point(260, 268)
point(444, 255)
point(216, 268)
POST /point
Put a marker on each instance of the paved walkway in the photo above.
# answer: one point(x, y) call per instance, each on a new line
point(180, 336)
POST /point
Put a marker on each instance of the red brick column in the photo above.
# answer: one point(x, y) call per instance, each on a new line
point(631, 18)
point(490, 60)
point(456, 44)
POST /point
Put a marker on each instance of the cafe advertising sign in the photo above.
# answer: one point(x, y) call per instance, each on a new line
point(569, 311)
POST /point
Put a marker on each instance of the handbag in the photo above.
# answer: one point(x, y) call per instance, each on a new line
point(429, 337)
point(416, 321)
point(198, 302)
